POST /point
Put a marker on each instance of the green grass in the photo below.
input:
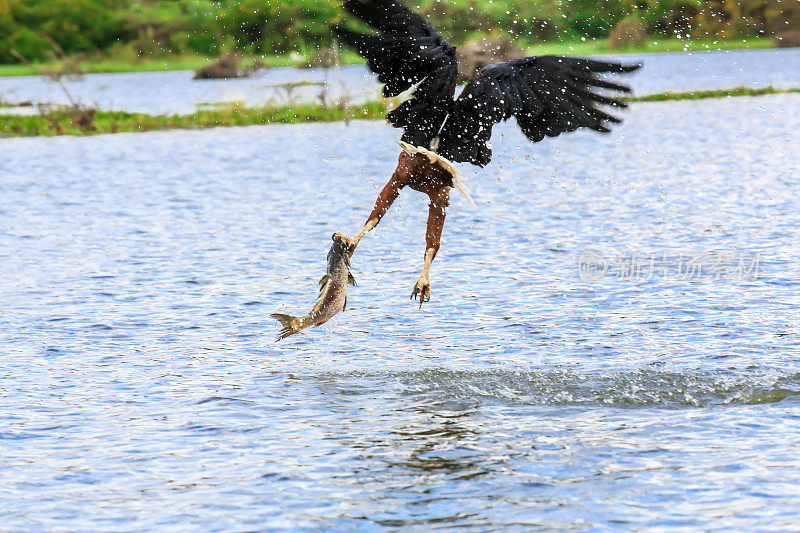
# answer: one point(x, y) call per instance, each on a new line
point(180, 62)
point(95, 66)
point(720, 93)
point(63, 122)
point(593, 47)
point(194, 62)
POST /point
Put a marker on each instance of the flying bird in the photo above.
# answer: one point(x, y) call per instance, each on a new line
point(547, 95)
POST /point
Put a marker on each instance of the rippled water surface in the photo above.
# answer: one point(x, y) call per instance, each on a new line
point(177, 92)
point(142, 390)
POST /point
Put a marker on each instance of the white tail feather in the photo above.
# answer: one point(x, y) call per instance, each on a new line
point(433, 157)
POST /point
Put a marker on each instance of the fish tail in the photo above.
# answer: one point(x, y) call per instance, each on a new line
point(291, 324)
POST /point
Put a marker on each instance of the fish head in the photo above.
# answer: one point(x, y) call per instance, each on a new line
point(340, 248)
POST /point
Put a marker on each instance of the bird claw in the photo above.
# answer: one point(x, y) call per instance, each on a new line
point(422, 289)
point(352, 242)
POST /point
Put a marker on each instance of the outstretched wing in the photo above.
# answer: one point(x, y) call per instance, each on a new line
point(406, 52)
point(547, 95)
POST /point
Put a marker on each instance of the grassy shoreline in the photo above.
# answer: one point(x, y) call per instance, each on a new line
point(665, 45)
point(107, 65)
point(65, 122)
point(719, 93)
point(112, 65)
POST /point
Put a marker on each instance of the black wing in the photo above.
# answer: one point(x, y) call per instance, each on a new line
point(406, 52)
point(547, 95)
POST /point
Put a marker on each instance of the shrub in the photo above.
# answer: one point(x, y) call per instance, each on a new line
point(630, 31)
point(782, 15)
point(594, 18)
point(210, 27)
point(74, 25)
point(788, 39)
point(25, 42)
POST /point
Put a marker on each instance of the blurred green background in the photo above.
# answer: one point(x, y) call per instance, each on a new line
point(127, 30)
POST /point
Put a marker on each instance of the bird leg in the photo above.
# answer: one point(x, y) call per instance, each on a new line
point(389, 193)
point(420, 174)
point(386, 198)
point(440, 199)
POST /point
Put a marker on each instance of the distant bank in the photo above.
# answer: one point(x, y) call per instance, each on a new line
point(81, 121)
point(107, 64)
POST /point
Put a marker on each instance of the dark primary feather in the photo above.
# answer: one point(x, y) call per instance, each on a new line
point(547, 95)
point(406, 52)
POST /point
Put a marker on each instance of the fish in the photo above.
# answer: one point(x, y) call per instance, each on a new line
point(333, 291)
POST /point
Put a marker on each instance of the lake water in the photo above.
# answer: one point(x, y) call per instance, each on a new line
point(547, 384)
point(176, 92)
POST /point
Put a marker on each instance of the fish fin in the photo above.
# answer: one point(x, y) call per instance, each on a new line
point(351, 280)
point(345, 304)
point(323, 281)
point(289, 325)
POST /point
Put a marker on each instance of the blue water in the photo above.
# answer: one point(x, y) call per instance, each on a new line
point(177, 92)
point(142, 391)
